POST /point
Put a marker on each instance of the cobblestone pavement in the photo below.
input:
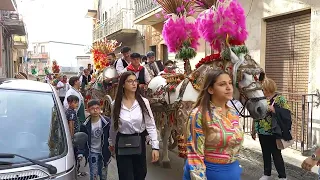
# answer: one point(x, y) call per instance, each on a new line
point(250, 161)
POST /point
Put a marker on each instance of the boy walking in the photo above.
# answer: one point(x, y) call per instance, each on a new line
point(71, 114)
point(97, 153)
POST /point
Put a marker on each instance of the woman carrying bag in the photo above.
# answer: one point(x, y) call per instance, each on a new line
point(132, 120)
point(273, 130)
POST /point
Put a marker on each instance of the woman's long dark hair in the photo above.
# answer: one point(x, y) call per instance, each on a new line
point(119, 97)
point(203, 101)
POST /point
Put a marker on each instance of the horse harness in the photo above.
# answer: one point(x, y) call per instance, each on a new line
point(251, 69)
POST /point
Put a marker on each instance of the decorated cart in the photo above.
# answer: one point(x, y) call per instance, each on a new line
point(103, 84)
point(222, 24)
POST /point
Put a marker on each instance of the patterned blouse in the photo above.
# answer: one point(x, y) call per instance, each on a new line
point(220, 145)
point(264, 126)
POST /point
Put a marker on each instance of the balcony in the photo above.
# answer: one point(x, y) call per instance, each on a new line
point(145, 12)
point(91, 13)
point(8, 5)
point(12, 20)
point(119, 27)
point(20, 42)
point(39, 56)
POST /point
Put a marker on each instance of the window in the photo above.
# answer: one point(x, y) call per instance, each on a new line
point(34, 49)
point(30, 125)
point(43, 49)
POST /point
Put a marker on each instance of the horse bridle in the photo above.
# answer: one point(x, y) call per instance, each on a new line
point(243, 90)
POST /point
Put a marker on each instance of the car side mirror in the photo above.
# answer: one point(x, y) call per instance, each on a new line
point(80, 140)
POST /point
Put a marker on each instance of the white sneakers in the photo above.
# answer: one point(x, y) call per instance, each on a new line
point(264, 177)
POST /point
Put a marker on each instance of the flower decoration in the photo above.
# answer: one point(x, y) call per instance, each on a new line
point(226, 18)
point(208, 59)
point(100, 50)
point(55, 67)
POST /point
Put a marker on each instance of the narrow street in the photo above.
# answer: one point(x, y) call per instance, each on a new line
point(251, 163)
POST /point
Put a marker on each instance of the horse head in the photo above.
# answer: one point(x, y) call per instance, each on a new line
point(247, 76)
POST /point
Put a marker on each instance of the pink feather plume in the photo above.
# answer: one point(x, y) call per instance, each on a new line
point(215, 24)
point(176, 32)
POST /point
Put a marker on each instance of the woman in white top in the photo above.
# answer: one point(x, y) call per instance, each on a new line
point(132, 120)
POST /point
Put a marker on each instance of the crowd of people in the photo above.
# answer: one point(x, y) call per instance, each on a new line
point(214, 132)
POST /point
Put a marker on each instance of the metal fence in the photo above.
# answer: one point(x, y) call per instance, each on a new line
point(305, 127)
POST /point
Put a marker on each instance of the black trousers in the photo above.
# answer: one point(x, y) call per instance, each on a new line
point(61, 99)
point(132, 167)
point(269, 147)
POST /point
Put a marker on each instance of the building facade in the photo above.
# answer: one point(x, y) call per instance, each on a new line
point(43, 53)
point(12, 48)
point(284, 39)
point(146, 14)
point(114, 20)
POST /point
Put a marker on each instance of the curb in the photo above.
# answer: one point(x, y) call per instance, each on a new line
point(292, 170)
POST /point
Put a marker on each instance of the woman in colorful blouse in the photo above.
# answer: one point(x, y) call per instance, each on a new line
point(264, 129)
point(214, 133)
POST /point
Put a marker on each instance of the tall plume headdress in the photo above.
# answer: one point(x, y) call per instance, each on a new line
point(180, 30)
point(220, 21)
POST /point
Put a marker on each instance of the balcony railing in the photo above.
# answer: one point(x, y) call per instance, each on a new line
point(11, 15)
point(121, 20)
point(144, 6)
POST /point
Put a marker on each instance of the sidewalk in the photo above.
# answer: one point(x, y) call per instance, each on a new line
point(292, 158)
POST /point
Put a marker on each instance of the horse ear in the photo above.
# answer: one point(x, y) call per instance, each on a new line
point(262, 76)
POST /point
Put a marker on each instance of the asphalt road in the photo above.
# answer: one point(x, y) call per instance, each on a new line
point(250, 162)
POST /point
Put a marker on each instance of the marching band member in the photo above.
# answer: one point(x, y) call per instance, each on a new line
point(123, 62)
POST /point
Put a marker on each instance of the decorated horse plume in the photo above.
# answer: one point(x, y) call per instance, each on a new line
point(224, 19)
point(180, 31)
point(100, 50)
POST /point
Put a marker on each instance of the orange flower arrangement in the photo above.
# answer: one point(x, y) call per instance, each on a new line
point(100, 50)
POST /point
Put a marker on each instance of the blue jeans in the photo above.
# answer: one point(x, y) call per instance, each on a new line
point(96, 166)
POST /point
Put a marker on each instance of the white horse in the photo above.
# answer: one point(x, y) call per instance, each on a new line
point(247, 90)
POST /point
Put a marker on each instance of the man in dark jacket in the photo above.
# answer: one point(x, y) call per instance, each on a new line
point(97, 152)
point(155, 66)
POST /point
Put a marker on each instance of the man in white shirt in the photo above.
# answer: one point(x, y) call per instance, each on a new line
point(74, 90)
point(141, 72)
point(62, 87)
point(123, 62)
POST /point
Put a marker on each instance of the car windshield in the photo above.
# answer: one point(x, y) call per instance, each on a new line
point(30, 125)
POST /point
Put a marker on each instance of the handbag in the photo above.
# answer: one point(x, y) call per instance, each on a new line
point(130, 144)
point(283, 144)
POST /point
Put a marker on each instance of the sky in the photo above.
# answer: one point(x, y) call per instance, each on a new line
point(57, 20)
